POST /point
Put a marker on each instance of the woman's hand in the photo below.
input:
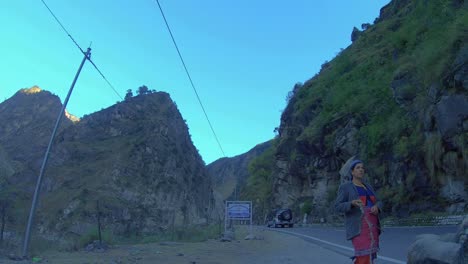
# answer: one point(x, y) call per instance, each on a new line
point(374, 210)
point(356, 203)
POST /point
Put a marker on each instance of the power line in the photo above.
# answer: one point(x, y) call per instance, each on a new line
point(64, 29)
point(178, 51)
point(105, 79)
point(190, 78)
point(88, 57)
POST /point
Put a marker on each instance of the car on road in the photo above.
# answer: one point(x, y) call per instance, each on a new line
point(280, 218)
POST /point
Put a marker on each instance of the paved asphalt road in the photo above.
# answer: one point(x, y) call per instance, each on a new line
point(394, 241)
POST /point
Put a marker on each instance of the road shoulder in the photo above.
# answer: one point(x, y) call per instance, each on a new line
point(269, 247)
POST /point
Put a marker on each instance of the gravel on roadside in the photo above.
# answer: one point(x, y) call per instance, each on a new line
point(267, 246)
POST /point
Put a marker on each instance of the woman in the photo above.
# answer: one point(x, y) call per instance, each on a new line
point(357, 200)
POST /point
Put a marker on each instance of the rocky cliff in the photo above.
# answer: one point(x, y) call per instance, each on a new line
point(229, 175)
point(27, 119)
point(396, 98)
point(135, 158)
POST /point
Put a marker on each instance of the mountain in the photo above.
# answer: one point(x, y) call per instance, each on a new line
point(397, 99)
point(229, 175)
point(135, 158)
point(27, 119)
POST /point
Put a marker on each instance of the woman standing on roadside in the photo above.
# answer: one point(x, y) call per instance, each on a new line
point(357, 200)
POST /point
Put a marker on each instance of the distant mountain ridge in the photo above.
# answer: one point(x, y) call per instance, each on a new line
point(136, 158)
point(223, 169)
point(229, 175)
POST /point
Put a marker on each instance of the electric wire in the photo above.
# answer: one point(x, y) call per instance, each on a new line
point(105, 79)
point(64, 29)
point(190, 78)
point(178, 52)
point(78, 46)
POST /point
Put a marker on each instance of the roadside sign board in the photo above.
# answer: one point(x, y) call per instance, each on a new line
point(239, 210)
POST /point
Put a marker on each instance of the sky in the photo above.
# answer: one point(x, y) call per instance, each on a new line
point(243, 56)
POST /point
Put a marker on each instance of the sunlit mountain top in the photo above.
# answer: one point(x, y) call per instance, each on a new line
point(32, 90)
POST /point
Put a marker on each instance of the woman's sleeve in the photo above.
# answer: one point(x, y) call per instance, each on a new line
point(342, 205)
point(379, 202)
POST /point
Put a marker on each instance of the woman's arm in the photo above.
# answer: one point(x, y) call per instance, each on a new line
point(378, 203)
point(342, 205)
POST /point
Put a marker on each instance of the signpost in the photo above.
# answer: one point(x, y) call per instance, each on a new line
point(238, 210)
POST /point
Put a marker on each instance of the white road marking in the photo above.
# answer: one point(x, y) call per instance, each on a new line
point(340, 246)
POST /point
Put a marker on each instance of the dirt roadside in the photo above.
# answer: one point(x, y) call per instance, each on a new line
point(268, 247)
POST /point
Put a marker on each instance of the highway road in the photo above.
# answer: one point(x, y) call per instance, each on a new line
point(394, 241)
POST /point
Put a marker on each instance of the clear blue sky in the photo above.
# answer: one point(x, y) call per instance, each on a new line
point(244, 56)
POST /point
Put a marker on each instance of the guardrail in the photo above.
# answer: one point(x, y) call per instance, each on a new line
point(427, 220)
point(390, 221)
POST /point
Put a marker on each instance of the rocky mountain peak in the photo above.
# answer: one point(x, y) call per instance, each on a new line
point(135, 158)
point(32, 90)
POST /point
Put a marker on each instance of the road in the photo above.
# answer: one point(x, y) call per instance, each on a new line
point(394, 241)
point(270, 246)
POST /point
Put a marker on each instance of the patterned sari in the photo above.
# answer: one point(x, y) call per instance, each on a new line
point(366, 244)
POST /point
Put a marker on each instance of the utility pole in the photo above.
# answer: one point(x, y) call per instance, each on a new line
point(236, 191)
point(99, 222)
point(27, 236)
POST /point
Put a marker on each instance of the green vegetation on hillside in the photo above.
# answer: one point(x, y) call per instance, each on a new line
point(358, 81)
point(259, 185)
point(381, 82)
